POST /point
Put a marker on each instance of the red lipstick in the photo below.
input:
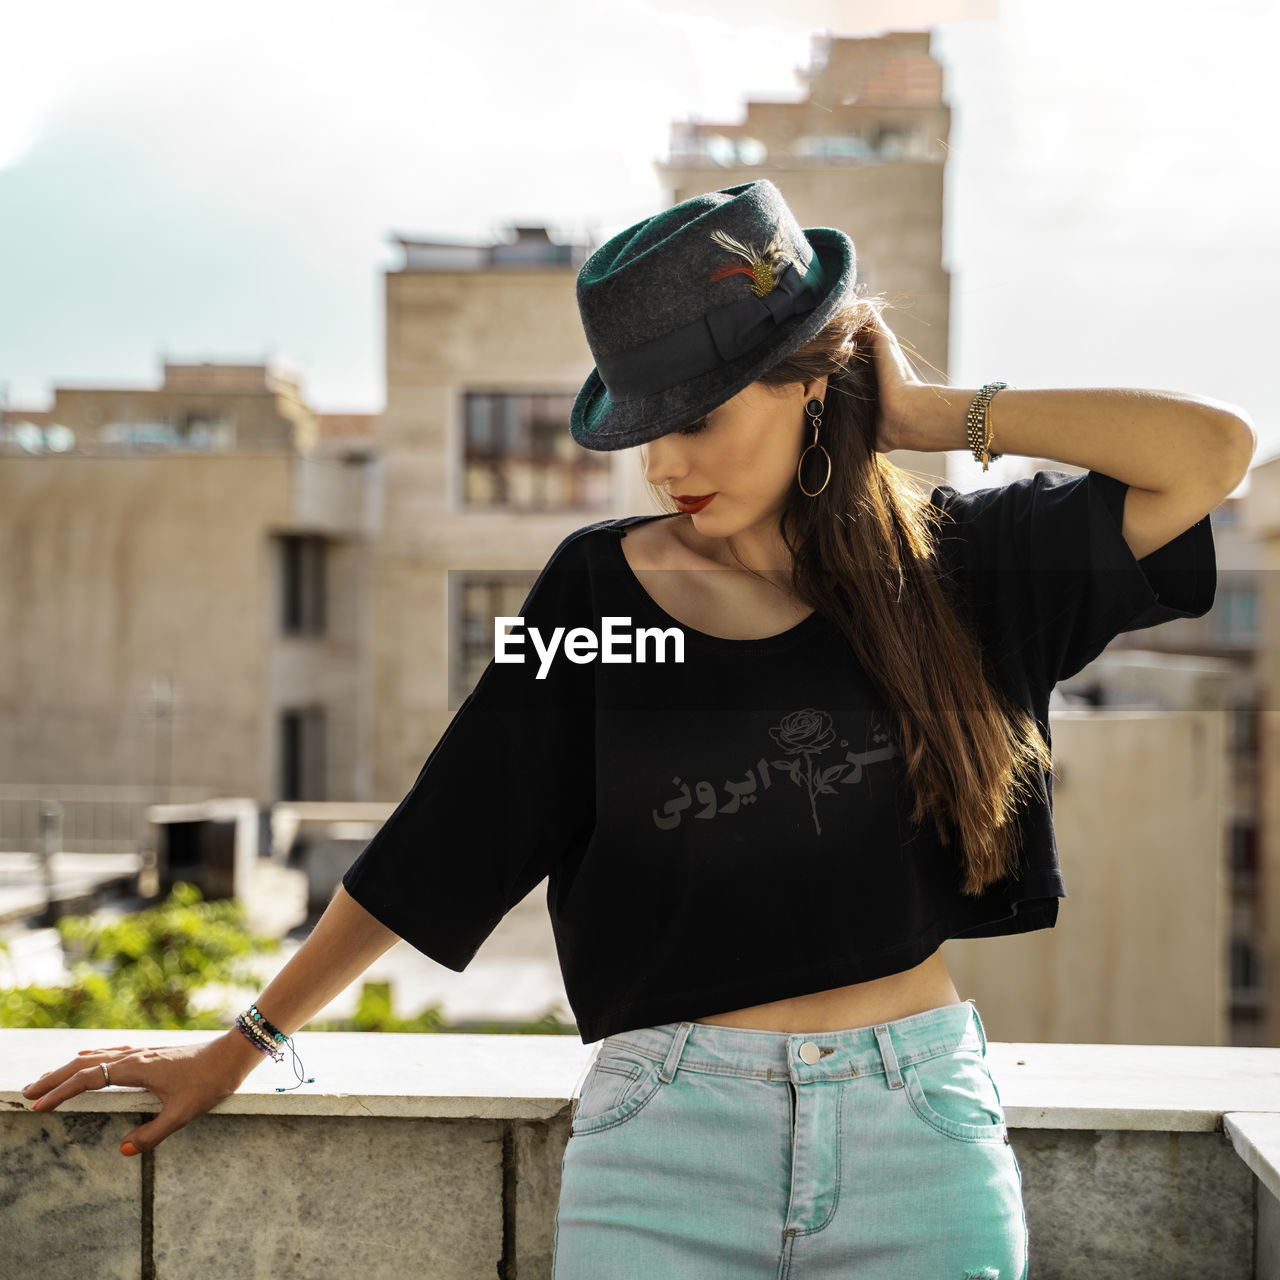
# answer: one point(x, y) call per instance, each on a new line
point(689, 504)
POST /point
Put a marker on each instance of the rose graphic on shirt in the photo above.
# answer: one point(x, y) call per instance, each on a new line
point(806, 731)
point(804, 735)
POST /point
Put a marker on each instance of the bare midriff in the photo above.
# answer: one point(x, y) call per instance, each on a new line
point(863, 1004)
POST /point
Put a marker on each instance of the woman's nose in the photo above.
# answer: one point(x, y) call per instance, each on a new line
point(664, 461)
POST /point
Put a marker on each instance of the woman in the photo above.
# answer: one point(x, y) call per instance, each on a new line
point(821, 751)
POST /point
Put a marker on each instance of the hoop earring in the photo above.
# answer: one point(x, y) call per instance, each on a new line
point(814, 409)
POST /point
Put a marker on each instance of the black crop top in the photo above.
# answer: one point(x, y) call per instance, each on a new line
point(733, 829)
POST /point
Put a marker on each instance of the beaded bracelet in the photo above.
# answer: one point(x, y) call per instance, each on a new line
point(255, 1038)
point(267, 1039)
point(277, 1035)
point(978, 422)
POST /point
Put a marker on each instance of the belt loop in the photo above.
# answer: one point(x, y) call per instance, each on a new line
point(982, 1031)
point(673, 1054)
point(890, 1058)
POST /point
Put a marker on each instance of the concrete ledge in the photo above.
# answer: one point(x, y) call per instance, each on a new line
point(1170, 1087)
point(1256, 1138)
point(440, 1156)
point(1166, 1088)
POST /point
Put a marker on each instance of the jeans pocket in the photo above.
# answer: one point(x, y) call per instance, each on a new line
point(954, 1094)
point(616, 1088)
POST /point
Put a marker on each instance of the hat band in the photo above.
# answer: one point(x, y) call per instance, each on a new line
point(715, 339)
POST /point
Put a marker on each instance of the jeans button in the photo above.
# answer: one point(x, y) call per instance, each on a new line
point(809, 1053)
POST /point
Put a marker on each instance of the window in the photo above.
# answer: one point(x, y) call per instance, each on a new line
point(833, 148)
point(518, 453)
point(194, 431)
point(1246, 972)
point(478, 598)
point(302, 584)
point(139, 435)
point(894, 143)
point(1233, 613)
point(1243, 849)
point(207, 430)
point(302, 754)
point(1244, 730)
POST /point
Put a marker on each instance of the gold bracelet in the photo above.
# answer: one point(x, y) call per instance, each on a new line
point(978, 424)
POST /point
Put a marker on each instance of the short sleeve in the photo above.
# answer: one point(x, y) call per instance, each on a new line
point(1049, 577)
point(507, 791)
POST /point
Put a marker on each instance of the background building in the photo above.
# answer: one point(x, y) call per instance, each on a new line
point(185, 593)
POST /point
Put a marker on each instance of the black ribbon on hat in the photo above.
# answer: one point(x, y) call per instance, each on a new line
point(716, 339)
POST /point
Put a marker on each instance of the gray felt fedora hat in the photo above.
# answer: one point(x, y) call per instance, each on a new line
point(686, 308)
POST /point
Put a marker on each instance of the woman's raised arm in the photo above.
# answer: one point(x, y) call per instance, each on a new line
point(1179, 454)
point(190, 1079)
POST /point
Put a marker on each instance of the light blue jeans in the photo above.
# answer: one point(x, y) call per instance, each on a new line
point(702, 1152)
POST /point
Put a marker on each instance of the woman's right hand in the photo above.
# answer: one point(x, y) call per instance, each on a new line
point(188, 1080)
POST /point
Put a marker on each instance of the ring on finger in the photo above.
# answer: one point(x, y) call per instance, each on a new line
point(106, 1075)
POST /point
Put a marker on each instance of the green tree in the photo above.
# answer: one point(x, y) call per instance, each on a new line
point(141, 970)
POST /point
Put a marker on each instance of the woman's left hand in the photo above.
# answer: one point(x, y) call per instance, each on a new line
point(898, 386)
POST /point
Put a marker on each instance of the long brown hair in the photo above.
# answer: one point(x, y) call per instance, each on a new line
point(865, 555)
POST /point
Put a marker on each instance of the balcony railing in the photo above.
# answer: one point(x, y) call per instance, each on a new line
point(439, 1156)
point(89, 819)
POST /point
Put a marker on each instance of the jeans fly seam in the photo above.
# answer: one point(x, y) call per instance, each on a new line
point(839, 1162)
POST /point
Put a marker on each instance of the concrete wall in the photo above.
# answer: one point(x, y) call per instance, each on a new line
point(1139, 953)
point(120, 569)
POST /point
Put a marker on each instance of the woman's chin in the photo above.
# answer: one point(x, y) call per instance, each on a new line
point(712, 523)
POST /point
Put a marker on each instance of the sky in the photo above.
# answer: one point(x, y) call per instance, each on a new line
point(191, 182)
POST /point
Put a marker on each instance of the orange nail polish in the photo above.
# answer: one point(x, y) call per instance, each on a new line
point(128, 1149)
